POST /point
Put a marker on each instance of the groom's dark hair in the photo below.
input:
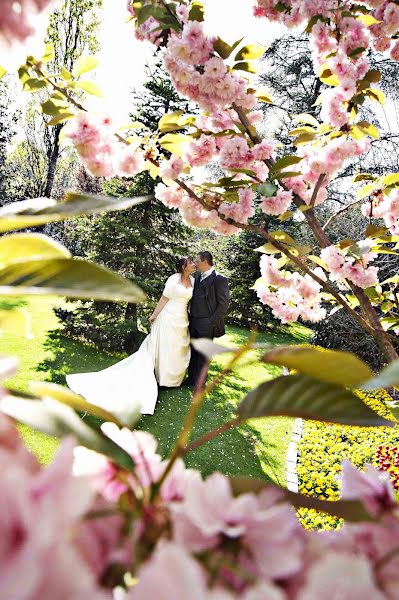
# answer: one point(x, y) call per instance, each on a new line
point(205, 255)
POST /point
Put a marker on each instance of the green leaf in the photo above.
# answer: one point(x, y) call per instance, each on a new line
point(364, 177)
point(70, 277)
point(21, 246)
point(54, 418)
point(174, 142)
point(33, 85)
point(304, 138)
point(285, 174)
point(54, 107)
point(222, 48)
point(387, 378)
point(308, 398)
point(350, 510)
point(250, 52)
point(196, 11)
point(244, 66)
point(84, 64)
point(333, 366)
point(123, 415)
point(267, 189)
point(90, 87)
point(286, 161)
point(38, 211)
point(3, 71)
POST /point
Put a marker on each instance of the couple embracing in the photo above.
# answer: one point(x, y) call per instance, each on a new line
point(193, 305)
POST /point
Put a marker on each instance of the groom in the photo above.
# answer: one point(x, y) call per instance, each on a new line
point(209, 305)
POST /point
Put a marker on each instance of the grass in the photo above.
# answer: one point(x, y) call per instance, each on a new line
point(256, 449)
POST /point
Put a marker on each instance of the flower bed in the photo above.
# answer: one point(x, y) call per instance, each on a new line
point(324, 446)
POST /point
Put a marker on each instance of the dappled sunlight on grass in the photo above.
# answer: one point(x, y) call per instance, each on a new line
point(256, 448)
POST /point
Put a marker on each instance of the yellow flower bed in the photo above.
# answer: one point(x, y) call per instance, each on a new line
point(324, 446)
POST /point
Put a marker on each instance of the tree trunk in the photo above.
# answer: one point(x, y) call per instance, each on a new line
point(52, 162)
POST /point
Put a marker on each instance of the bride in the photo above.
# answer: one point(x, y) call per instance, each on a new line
point(162, 358)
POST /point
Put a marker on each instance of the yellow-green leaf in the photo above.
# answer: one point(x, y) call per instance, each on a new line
point(368, 20)
point(49, 53)
point(24, 246)
point(67, 75)
point(3, 71)
point(250, 52)
point(84, 64)
point(334, 366)
point(70, 277)
point(263, 96)
point(60, 118)
point(390, 179)
point(365, 191)
point(368, 128)
point(244, 66)
point(89, 87)
point(174, 142)
point(306, 118)
point(38, 211)
point(308, 398)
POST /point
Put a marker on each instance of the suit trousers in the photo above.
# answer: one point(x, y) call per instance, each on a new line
point(199, 328)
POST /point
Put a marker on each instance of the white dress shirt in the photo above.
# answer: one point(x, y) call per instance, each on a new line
point(206, 274)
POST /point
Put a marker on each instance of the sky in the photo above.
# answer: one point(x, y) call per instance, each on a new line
point(123, 58)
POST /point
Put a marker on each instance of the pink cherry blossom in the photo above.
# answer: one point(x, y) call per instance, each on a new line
point(373, 487)
point(264, 150)
point(278, 204)
point(200, 152)
point(171, 168)
point(171, 574)
point(268, 530)
point(129, 161)
point(236, 154)
point(343, 576)
point(18, 18)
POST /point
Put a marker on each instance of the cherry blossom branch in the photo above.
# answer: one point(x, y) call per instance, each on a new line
point(200, 393)
point(377, 331)
point(210, 435)
point(317, 188)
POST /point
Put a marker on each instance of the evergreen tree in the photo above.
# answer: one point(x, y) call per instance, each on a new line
point(140, 243)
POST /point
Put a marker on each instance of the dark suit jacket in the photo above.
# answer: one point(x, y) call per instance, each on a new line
point(217, 300)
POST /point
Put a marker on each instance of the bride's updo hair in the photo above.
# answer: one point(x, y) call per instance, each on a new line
point(181, 263)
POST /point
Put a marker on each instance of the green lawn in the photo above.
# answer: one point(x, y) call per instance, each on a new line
point(258, 448)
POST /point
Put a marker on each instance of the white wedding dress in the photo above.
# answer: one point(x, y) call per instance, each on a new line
point(163, 357)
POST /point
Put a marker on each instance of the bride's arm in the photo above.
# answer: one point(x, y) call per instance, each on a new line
point(159, 307)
